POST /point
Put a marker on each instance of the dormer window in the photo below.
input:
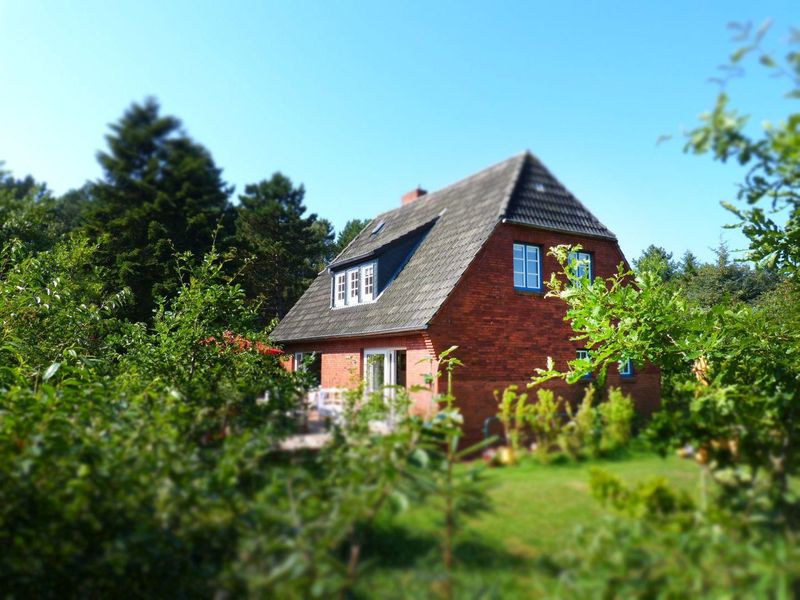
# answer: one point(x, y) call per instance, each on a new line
point(367, 282)
point(355, 285)
point(339, 289)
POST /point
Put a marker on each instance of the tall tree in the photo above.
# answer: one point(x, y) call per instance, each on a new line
point(27, 213)
point(161, 193)
point(688, 265)
point(725, 280)
point(286, 248)
point(657, 259)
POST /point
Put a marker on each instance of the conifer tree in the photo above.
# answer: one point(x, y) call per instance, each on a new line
point(161, 193)
point(348, 233)
point(286, 248)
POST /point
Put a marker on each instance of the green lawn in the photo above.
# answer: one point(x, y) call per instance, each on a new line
point(536, 508)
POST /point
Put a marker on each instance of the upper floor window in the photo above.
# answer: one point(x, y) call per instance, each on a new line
point(367, 282)
point(354, 286)
point(339, 290)
point(584, 268)
point(527, 267)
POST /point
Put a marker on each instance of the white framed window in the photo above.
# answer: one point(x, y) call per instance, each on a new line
point(626, 368)
point(527, 267)
point(367, 282)
point(353, 286)
point(357, 285)
point(584, 268)
point(339, 289)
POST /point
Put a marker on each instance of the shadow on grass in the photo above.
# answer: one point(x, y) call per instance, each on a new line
point(397, 547)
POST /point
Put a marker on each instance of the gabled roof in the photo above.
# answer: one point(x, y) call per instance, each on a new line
point(463, 216)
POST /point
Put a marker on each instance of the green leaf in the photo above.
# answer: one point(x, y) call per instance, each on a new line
point(51, 370)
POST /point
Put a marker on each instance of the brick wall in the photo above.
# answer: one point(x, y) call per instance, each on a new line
point(504, 334)
point(343, 364)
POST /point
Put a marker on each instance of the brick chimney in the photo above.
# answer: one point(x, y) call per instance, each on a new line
point(414, 194)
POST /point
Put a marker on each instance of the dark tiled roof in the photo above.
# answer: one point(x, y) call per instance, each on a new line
point(542, 201)
point(463, 215)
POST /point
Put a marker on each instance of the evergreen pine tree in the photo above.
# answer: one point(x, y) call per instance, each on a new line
point(286, 248)
point(161, 193)
point(348, 233)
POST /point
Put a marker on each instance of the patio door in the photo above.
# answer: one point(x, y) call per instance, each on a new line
point(379, 369)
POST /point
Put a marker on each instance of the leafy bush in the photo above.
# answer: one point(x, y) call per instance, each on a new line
point(667, 548)
point(513, 414)
point(616, 415)
point(545, 421)
point(145, 461)
point(580, 435)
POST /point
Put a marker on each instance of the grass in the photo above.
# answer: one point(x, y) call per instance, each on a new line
point(535, 510)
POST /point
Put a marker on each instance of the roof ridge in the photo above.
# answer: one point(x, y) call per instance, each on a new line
point(575, 198)
point(482, 172)
point(512, 186)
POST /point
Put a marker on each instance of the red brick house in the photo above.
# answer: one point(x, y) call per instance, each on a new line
point(461, 266)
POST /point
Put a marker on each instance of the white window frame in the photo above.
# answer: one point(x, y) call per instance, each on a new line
point(355, 285)
point(531, 271)
point(337, 279)
point(367, 296)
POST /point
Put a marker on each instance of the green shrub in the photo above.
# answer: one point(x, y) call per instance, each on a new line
point(545, 421)
point(513, 414)
point(581, 434)
point(664, 547)
point(616, 415)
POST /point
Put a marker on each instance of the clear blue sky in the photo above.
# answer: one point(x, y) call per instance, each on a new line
point(362, 101)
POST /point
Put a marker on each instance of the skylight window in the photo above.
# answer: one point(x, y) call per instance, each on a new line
point(378, 228)
point(539, 187)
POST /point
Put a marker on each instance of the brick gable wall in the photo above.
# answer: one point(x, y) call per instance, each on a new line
point(504, 334)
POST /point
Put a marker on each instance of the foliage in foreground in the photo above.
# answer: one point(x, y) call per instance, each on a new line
point(662, 545)
point(145, 460)
point(731, 375)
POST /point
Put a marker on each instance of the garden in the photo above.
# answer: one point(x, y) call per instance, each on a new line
point(140, 443)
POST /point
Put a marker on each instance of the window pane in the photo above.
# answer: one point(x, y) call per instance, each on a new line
point(368, 282)
point(339, 290)
point(354, 283)
point(625, 367)
point(519, 265)
point(533, 273)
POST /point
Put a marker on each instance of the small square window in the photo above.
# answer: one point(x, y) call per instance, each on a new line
point(584, 355)
point(626, 368)
point(527, 267)
point(584, 268)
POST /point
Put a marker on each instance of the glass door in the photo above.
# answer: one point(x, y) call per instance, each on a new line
point(378, 369)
